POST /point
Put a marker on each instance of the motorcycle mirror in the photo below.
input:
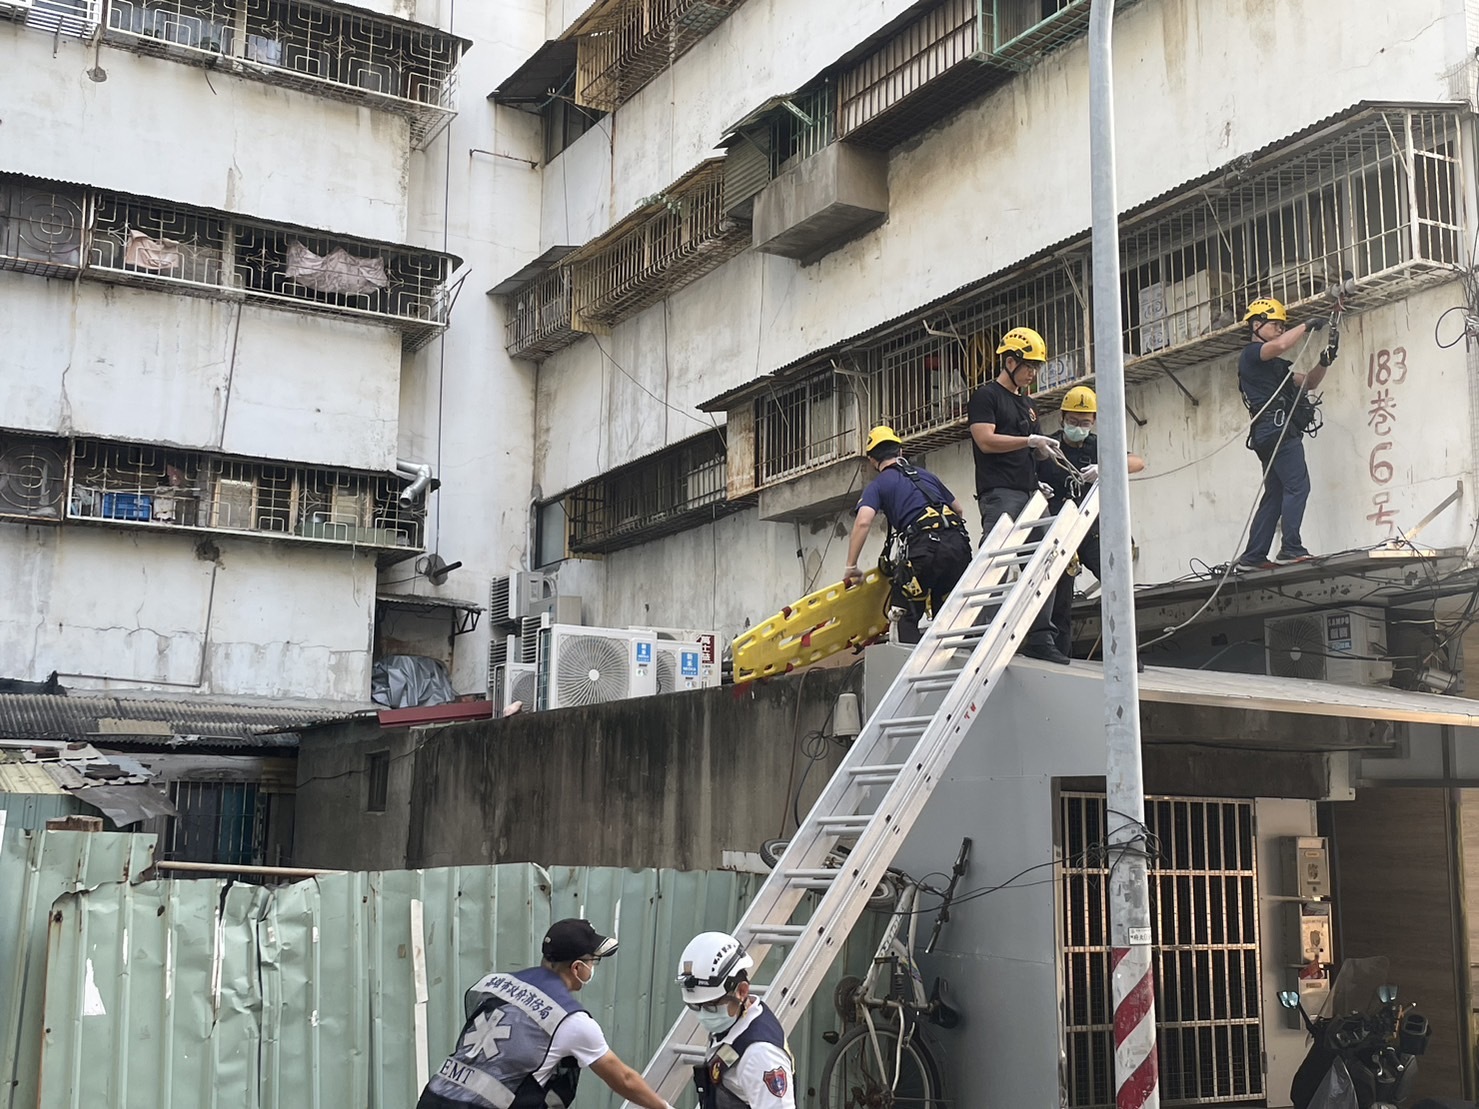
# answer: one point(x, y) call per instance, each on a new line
point(1289, 999)
point(1388, 994)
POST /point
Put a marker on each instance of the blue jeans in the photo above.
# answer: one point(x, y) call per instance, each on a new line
point(1286, 490)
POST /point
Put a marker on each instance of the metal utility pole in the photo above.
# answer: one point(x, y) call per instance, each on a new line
point(1133, 987)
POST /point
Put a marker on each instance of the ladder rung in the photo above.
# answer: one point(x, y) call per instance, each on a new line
point(999, 590)
point(937, 675)
point(1017, 549)
point(964, 635)
point(691, 1051)
point(1040, 522)
point(777, 933)
point(890, 768)
point(903, 723)
point(844, 823)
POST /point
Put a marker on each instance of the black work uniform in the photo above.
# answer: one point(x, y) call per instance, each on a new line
point(1005, 482)
point(1067, 487)
point(933, 546)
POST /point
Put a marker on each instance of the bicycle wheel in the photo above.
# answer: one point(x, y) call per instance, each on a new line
point(855, 1077)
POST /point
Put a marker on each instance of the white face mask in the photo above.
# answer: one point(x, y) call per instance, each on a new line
point(716, 1023)
point(591, 973)
point(1075, 434)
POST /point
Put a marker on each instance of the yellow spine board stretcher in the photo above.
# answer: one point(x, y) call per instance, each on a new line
point(818, 625)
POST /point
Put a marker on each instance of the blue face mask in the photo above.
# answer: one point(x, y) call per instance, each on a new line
point(1075, 434)
point(716, 1023)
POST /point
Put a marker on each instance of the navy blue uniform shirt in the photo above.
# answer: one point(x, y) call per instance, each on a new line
point(900, 499)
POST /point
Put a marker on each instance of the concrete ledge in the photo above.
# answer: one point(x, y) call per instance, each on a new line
point(817, 494)
point(837, 194)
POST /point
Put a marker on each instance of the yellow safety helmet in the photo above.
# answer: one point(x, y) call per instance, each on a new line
point(1025, 344)
point(1080, 399)
point(880, 435)
point(1266, 308)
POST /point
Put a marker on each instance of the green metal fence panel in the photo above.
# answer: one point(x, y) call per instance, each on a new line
point(199, 993)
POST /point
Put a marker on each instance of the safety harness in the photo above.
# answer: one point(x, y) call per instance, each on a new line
point(937, 516)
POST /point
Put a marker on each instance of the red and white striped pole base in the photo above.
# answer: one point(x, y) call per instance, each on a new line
point(1135, 1070)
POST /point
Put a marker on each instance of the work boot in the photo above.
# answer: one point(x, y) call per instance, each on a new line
point(1040, 645)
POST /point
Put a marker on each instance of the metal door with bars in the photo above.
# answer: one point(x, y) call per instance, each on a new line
point(1204, 908)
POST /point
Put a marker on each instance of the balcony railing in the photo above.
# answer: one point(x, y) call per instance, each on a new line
point(161, 488)
point(624, 44)
point(1376, 196)
point(672, 240)
point(538, 315)
point(322, 48)
point(677, 488)
point(57, 230)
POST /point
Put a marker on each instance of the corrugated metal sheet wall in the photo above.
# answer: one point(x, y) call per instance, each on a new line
point(203, 993)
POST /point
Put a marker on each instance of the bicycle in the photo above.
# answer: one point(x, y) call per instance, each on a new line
point(880, 1060)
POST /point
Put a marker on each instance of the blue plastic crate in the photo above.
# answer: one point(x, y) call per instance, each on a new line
point(127, 506)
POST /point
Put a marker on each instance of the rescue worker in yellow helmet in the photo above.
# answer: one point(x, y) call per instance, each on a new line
point(1282, 413)
point(1080, 447)
point(1006, 442)
point(927, 548)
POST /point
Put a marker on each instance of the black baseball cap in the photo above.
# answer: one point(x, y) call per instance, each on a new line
point(572, 939)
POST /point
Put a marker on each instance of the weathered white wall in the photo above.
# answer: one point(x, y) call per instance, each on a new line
point(86, 358)
point(133, 611)
point(969, 199)
point(466, 407)
point(156, 128)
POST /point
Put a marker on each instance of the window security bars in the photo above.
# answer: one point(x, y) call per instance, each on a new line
point(33, 478)
point(802, 127)
point(55, 231)
point(539, 321)
point(677, 488)
point(1378, 196)
point(1204, 909)
point(156, 487)
point(321, 48)
point(672, 240)
point(41, 227)
point(623, 46)
point(219, 822)
point(806, 426)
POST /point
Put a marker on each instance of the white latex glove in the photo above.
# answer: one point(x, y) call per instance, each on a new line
point(1090, 474)
point(1043, 446)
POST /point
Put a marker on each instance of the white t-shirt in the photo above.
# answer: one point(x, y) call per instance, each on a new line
point(579, 1036)
point(763, 1078)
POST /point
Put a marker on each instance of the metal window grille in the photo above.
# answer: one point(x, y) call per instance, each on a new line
point(70, 18)
point(802, 126)
point(627, 43)
point(539, 321)
point(320, 48)
point(41, 227)
point(157, 487)
point(671, 241)
point(804, 427)
point(33, 478)
point(148, 240)
point(677, 488)
point(1204, 908)
point(219, 822)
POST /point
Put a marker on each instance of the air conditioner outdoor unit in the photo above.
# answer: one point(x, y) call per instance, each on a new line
point(706, 641)
point(32, 480)
point(591, 666)
point(516, 682)
point(501, 652)
point(1344, 645)
point(679, 666)
point(513, 597)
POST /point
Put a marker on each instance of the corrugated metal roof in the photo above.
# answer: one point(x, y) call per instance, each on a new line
point(27, 777)
point(1271, 154)
point(155, 723)
point(203, 992)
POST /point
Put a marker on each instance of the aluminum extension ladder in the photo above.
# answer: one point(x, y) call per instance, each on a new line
point(892, 767)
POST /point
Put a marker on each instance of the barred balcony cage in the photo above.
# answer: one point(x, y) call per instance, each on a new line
point(1376, 195)
point(322, 48)
point(670, 241)
point(53, 230)
point(805, 427)
point(33, 478)
point(42, 227)
point(538, 316)
point(68, 18)
point(146, 486)
point(677, 488)
point(624, 44)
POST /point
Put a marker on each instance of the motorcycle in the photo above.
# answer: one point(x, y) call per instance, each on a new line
point(1364, 1055)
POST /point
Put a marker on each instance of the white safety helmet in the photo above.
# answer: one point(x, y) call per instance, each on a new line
point(710, 967)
